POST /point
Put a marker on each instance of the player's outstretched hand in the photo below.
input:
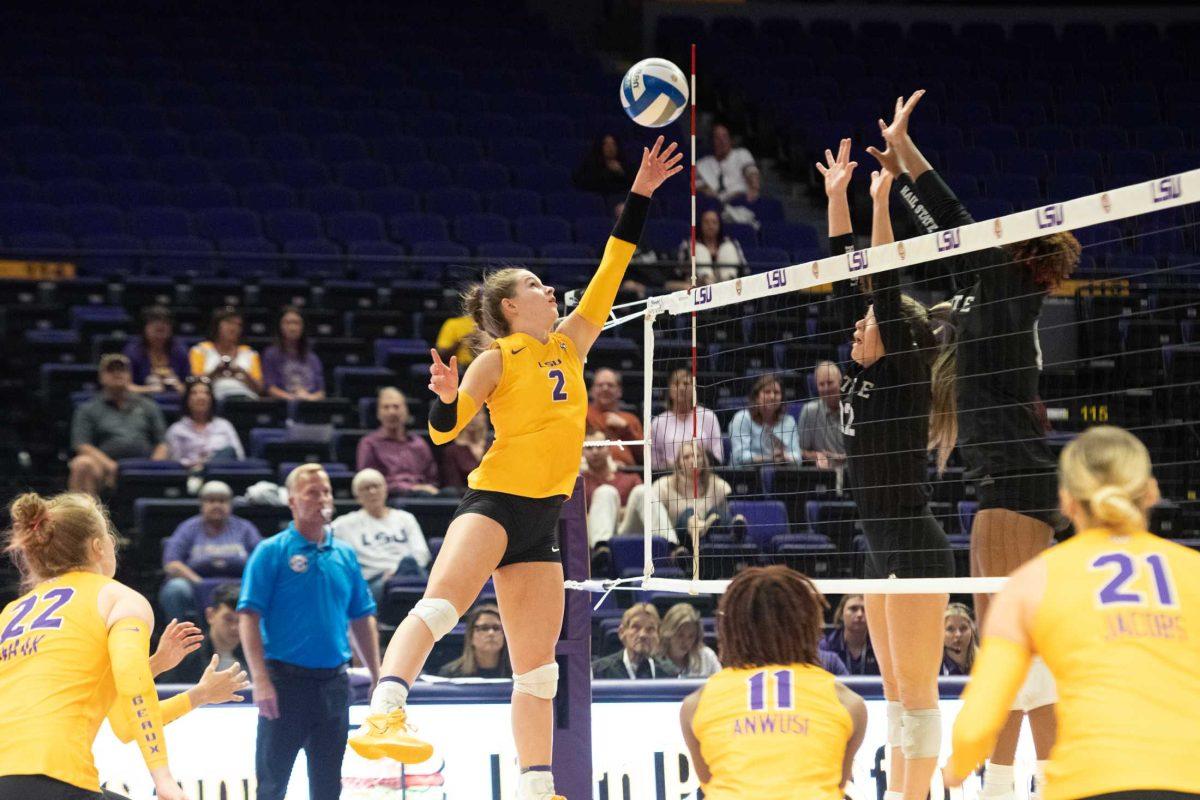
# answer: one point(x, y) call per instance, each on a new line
point(443, 377)
point(881, 184)
point(177, 640)
point(657, 166)
point(222, 686)
point(899, 127)
point(837, 171)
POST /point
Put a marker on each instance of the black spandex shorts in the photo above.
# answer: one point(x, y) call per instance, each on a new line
point(530, 522)
point(909, 544)
point(43, 787)
point(1033, 494)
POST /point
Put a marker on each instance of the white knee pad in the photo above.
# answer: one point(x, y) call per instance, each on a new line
point(894, 712)
point(440, 616)
point(540, 682)
point(1039, 689)
point(921, 733)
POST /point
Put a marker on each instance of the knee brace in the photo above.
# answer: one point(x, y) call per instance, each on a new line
point(440, 616)
point(921, 733)
point(1038, 690)
point(894, 712)
point(540, 682)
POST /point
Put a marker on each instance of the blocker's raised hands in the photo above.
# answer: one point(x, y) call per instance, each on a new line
point(837, 171)
point(898, 129)
point(657, 166)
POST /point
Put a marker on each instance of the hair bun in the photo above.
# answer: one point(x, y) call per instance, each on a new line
point(1113, 506)
point(30, 512)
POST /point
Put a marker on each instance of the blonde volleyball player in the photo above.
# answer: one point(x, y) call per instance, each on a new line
point(885, 421)
point(772, 722)
point(75, 648)
point(1114, 612)
point(531, 377)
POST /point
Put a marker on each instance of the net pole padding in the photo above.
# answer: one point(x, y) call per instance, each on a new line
point(826, 586)
point(653, 309)
point(1145, 197)
point(695, 533)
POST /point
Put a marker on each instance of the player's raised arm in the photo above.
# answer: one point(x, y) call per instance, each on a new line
point(455, 405)
point(584, 324)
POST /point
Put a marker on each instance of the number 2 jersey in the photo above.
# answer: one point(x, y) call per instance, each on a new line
point(772, 732)
point(1119, 626)
point(539, 410)
point(56, 682)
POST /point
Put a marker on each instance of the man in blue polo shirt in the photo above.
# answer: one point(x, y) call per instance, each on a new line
point(301, 590)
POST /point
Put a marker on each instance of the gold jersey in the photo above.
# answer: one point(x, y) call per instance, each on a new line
point(772, 733)
point(538, 410)
point(56, 682)
point(1119, 626)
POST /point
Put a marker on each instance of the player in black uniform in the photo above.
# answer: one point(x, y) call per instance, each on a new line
point(885, 422)
point(993, 316)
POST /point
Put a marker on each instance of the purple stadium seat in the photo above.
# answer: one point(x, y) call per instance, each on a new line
point(408, 229)
point(484, 177)
point(265, 197)
point(146, 223)
point(221, 144)
point(331, 199)
point(476, 229)
point(228, 223)
point(341, 147)
point(239, 172)
point(197, 196)
point(363, 174)
point(71, 191)
point(538, 231)
point(422, 176)
point(454, 150)
point(354, 226)
point(509, 252)
point(282, 147)
point(765, 519)
point(293, 224)
point(513, 203)
point(387, 201)
point(517, 152)
point(453, 202)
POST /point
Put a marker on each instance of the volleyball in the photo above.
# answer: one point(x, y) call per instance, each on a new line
point(654, 92)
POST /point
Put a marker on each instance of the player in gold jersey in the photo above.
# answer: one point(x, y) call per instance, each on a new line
point(1114, 612)
point(75, 648)
point(772, 724)
point(531, 378)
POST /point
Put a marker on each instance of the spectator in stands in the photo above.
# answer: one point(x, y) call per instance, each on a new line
point(457, 459)
point(606, 489)
point(764, 433)
point(603, 169)
point(485, 650)
point(962, 641)
point(117, 424)
point(303, 600)
point(682, 644)
point(747, 207)
point(690, 500)
point(213, 544)
point(199, 436)
point(291, 370)
point(718, 258)
point(454, 339)
point(233, 367)
point(850, 640)
point(639, 642)
point(673, 427)
point(405, 459)
point(223, 639)
point(158, 361)
point(723, 174)
point(820, 419)
point(606, 415)
point(387, 541)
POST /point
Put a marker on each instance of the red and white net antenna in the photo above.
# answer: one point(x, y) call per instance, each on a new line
point(695, 395)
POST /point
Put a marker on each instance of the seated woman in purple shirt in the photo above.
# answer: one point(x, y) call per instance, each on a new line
point(291, 370)
point(158, 361)
point(199, 436)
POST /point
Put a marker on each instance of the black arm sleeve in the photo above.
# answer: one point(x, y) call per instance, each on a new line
point(917, 219)
point(443, 416)
point(633, 218)
point(848, 303)
point(885, 296)
point(945, 207)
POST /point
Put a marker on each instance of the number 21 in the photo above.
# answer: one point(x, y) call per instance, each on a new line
point(558, 395)
point(1112, 593)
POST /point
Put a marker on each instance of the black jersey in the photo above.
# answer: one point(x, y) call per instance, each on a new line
point(996, 309)
point(885, 413)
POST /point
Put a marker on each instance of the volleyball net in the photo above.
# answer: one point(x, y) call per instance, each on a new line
point(745, 419)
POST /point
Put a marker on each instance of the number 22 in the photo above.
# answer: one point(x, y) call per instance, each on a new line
point(558, 395)
point(46, 620)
